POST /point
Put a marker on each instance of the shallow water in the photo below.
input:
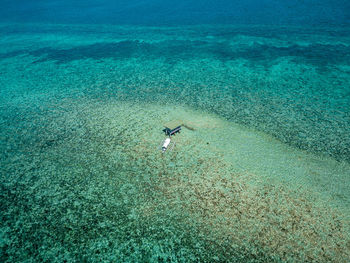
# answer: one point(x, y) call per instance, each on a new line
point(262, 175)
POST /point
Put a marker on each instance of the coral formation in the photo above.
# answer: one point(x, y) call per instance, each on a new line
point(259, 174)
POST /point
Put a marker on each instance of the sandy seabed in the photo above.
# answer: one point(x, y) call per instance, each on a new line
point(82, 176)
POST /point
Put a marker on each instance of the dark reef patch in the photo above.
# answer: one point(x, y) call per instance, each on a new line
point(318, 55)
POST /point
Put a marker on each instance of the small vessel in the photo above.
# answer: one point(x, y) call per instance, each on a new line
point(166, 144)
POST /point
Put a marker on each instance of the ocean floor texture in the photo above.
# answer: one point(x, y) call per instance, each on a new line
point(260, 171)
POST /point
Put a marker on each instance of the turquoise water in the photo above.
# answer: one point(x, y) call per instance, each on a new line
point(260, 174)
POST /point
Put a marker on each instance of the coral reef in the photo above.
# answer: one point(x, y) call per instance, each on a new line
point(259, 174)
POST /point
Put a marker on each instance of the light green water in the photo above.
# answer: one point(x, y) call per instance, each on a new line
point(82, 176)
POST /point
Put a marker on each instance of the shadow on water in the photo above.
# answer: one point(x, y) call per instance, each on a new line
point(319, 55)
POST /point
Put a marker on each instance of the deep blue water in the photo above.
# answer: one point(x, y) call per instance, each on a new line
point(167, 12)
